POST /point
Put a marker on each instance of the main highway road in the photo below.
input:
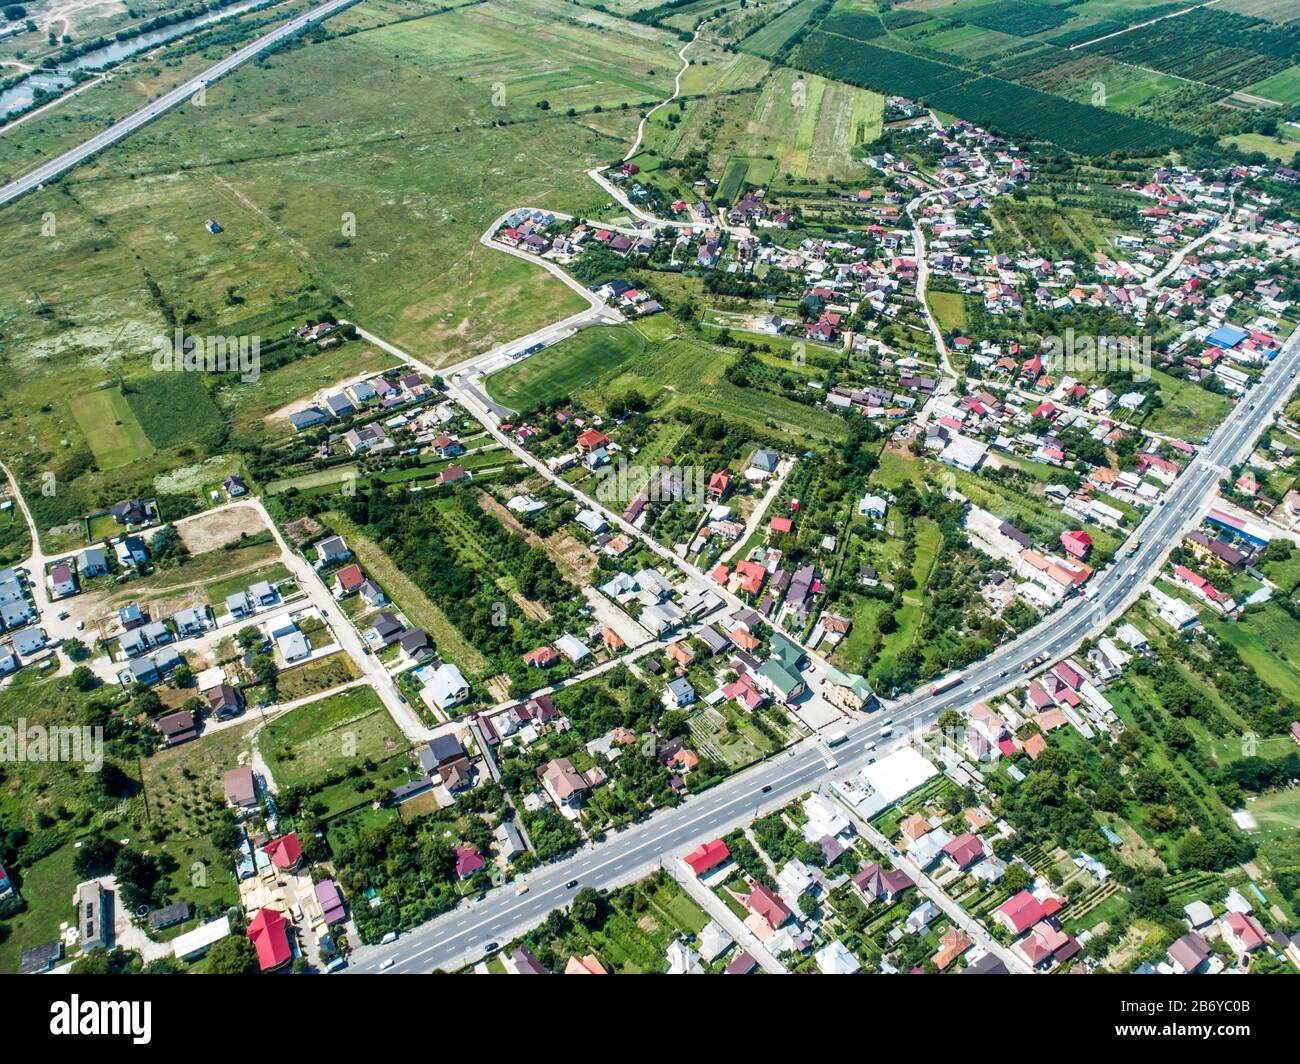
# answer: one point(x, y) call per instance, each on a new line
point(474, 929)
point(124, 127)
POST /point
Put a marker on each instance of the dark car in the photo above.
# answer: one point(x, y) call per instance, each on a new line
point(767, 788)
point(571, 884)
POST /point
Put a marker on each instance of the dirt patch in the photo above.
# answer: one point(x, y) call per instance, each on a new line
point(499, 687)
point(572, 555)
point(213, 530)
point(533, 610)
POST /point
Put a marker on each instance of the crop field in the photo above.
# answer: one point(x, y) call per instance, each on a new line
point(1013, 108)
point(771, 38)
point(1216, 47)
point(1283, 87)
point(813, 127)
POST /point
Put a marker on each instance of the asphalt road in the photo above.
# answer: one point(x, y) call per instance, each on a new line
point(464, 935)
point(126, 126)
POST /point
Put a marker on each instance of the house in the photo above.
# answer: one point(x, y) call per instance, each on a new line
point(285, 852)
point(129, 512)
point(61, 581)
point(835, 959)
point(572, 648)
point(847, 691)
point(588, 965)
point(952, 944)
point(563, 783)
point(269, 933)
point(447, 687)
point(453, 474)
point(241, 787)
point(1188, 955)
point(193, 621)
point(679, 693)
point(765, 905)
point(94, 916)
point(1243, 933)
point(330, 901)
point(1020, 912)
point(541, 658)
point(169, 916)
point(872, 506)
point(224, 701)
point(305, 419)
point(177, 728)
point(964, 850)
point(239, 605)
point(332, 549)
point(234, 487)
point(416, 646)
point(708, 857)
point(762, 464)
point(1077, 544)
point(876, 884)
point(469, 861)
point(92, 562)
point(348, 579)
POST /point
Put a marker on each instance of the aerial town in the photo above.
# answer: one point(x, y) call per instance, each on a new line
point(642, 487)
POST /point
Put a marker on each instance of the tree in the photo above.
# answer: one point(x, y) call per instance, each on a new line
point(83, 679)
point(233, 956)
point(588, 908)
point(248, 637)
point(76, 650)
point(96, 856)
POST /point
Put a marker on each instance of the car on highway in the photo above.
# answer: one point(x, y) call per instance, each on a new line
point(523, 888)
point(390, 937)
point(388, 963)
point(491, 947)
point(570, 884)
point(767, 789)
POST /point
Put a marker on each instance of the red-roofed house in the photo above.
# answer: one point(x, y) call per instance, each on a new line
point(541, 658)
point(710, 855)
point(1243, 932)
point(764, 904)
point(591, 439)
point(468, 861)
point(285, 852)
point(1035, 746)
point(964, 850)
point(269, 933)
point(1077, 544)
point(1020, 912)
point(780, 525)
point(348, 579)
point(719, 484)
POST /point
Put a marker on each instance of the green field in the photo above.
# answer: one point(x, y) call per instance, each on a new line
point(111, 428)
point(327, 737)
point(566, 367)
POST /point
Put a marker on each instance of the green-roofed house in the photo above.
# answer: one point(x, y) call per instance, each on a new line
point(786, 651)
point(847, 690)
point(779, 683)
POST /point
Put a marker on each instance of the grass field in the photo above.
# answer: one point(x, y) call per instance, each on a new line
point(567, 367)
point(115, 436)
point(409, 142)
point(949, 309)
point(327, 737)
